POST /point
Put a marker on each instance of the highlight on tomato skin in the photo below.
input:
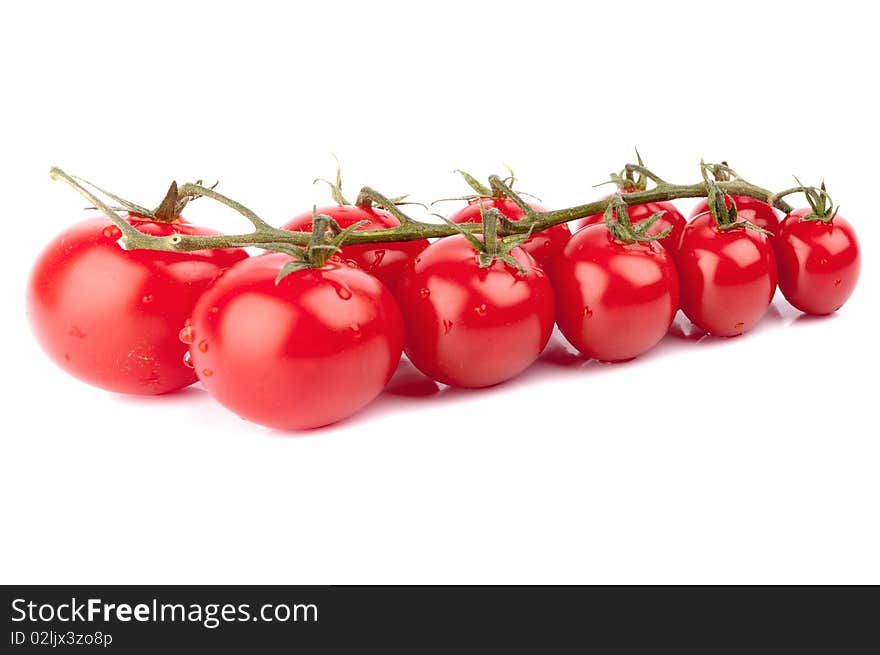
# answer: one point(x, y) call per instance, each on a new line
point(383, 260)
point(544, 246)
point(110, 317)
point(728, 277)
point(757, 212)
point(469, 326)
point(615, 301)
point(819, 262)
point(306, 352)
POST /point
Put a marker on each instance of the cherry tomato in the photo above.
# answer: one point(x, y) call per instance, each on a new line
point(469, 326)
point(111, 317)
point(728, 277)
point(544, 246)
point(614, 300)
point(818, 262)
point(672, 219)
point(306, 352)
point(748, 209)
point(383, 260)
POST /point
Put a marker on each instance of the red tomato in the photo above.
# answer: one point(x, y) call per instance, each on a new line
point(818, 262)
point(469, 326)
point(615, 300)
point(111, 317)
point(383, 260)
point(306, 352)
point(748, 209)
point(544, 246)
point(728, 277)
point(637, 213)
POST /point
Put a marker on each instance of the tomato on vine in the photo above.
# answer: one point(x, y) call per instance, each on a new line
point(616, 287)
point(111, 317)
point(383, 260)
point(295, 340)
point(727, 270)
point(818, 256)
point(544, 246)
point(478, 311)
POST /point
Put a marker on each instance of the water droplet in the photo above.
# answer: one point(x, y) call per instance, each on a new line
point(480, 309)
point(66, 357)
point(343, 291)
point(112, 232)
point(187, 360)
point(837, 283)
point(739, 326)
point(203, 346)
point(424, 293)
point(447, 326)
point(823, 261)
point(417, 260)
point(188, 322)
point(350, 263)
point(588, 313)
point(214, 310)
point(207, 372)
point(147, 299)
point(186, 334)
point(378, 256)
point(74, 331)
point(355, 330)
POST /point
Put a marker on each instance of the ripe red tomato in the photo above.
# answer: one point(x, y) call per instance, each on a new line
point(615, 300)
point(818, 262)
point(306, 352)
point(672, 219)
point(469, 326)
point(728, 277)
point(383, 260)
point(544, 246)
point(111, 317)
point(748, 209)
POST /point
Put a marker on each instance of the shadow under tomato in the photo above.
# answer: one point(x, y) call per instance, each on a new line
point(410, 382)
point(193, 393)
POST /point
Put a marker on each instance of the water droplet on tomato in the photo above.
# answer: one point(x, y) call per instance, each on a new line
point(207, 372)
point(823, 261)
point(588, 313)
point(480, 309)
point(378, 256)
point(214, 310)
point(203, 346)
point(424, 293)
point(188, 322)
point(187, 360)
point(837, 283)
point(739, 326)
point(74, 331)
point(447, 326)
point(355, 330)
point(147, 299)
point(112, 232)
point(350, 263)
point(186, 334)
point(343, 292)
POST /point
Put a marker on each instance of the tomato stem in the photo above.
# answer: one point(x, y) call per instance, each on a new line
point(264, 234)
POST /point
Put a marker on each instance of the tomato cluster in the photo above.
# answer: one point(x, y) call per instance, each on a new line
point(301, 344)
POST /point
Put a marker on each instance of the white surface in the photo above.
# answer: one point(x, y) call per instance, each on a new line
point(746, 460)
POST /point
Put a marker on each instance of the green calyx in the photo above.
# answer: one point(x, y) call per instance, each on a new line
point(626, 180)
point(491, 247)
point(325, 241)
point(168, 211)
point(618, 223)
point(499, 189)
point(725, 217)
point(821, 206)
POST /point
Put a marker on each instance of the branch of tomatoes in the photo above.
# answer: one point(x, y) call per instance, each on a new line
point(269, 237)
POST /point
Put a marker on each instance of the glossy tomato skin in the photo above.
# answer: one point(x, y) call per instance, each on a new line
point(672, 219)
point(818, 262)
point(111, 317)
point(469, 326)
point(544, 246)
point(748, 209)
point(307, 352)
point(614, 300)
point(728, 277)
point(382, 260)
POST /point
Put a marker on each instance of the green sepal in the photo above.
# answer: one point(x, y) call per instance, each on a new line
point(291, 267)
point(335, 187)
point(748, 225)
point(480, 188)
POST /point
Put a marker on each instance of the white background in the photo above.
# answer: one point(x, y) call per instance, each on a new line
point(750, 460)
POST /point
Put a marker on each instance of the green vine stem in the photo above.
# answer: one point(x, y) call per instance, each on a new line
point(409, 230)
